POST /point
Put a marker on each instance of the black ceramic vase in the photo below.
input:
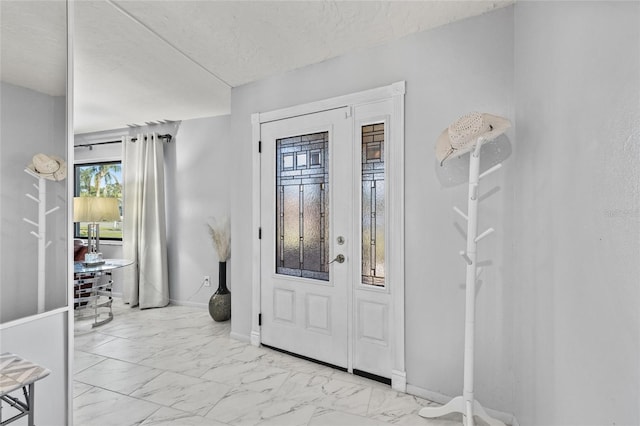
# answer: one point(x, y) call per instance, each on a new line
point(220, 302)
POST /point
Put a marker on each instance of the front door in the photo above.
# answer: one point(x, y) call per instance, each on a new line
point(306, 208)
point(331, 252)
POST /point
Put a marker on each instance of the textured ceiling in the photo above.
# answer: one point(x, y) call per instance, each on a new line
point(139, 61)
point(33, 45)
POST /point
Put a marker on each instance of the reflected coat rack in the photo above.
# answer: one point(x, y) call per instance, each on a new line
point(466, 404)
point(41, 233)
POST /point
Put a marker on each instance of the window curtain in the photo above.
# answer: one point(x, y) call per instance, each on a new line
point(144, 236)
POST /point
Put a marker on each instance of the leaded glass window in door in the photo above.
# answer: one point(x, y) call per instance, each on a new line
point(302, 206)
point(373, 184)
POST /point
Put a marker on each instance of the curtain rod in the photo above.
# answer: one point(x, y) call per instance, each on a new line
point(90, 145)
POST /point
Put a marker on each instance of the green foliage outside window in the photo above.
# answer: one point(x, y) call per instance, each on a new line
point(100, 180)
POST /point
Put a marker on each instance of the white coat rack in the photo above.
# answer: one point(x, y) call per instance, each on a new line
point(41, 234)
point(466, 404)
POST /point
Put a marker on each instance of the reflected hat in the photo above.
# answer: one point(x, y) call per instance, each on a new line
point(461, 136)
point(49, 167)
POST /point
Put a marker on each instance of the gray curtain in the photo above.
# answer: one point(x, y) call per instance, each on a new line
point(144, 228)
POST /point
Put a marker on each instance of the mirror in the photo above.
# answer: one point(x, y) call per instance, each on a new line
point(33, 154)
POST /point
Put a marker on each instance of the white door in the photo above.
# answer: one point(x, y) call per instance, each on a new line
point(325, 196)
point(372, 301)
point(305, 207)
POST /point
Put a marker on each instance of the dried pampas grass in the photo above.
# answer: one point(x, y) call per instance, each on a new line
point(221, 235)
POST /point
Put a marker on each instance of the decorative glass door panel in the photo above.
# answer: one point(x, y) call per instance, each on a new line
point(302, 206)
point(373, 200)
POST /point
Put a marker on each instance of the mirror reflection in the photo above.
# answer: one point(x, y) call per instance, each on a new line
point(33, 153)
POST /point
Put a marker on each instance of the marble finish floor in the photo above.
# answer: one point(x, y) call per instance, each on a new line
point(176, 366)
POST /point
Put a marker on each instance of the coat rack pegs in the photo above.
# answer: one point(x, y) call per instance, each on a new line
point(466, 258)
point(484, 234)
point(489, 171)
point(32, 173)
point(461, 213)
point(52, 210)
point(30, 222)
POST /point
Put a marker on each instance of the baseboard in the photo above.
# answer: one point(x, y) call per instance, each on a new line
point(190, 304)
point(505, 418)
point(241, 337)
point(255, 338)
point(399, 380)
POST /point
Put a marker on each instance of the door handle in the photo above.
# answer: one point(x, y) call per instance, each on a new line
point(339, 258)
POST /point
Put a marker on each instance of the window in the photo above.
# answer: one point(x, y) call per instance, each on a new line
point(100, 180)
point(373, 183)
point(302, 204)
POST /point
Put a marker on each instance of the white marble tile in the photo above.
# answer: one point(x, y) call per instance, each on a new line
point(118, 376)
point(236, 405)
point(249, 375)
point(172, 417)
point(168, 339)
point(180, 367)
point(88, 341)
point(249, 353)
point(448, 420)
point(83, 360)
point(182, 392)
point(249, 408)
point(325, 417)
point(352, 378)
point(99, 407)
point(82, 326)
point(296, 364)
point(395, 407)
point(219, 329)
point(282, 413)
point(131, 329)
point(326, 392)
point(222, 348)
point(188, 361)
point(80, 388)
point(131, 350)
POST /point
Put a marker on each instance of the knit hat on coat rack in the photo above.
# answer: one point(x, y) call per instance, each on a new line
point(461, 136)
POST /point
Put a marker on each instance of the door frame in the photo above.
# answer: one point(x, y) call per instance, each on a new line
point(395, 174)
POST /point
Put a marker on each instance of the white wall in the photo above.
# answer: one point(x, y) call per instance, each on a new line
point(463, 67)
point(197, 182)
point(558, 328)
point(30, 123)
point(197, 187)
point(576, 237)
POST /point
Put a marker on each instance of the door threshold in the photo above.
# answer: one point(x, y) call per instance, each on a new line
point(371, 376)
point(306, 358)
point(366, 375)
